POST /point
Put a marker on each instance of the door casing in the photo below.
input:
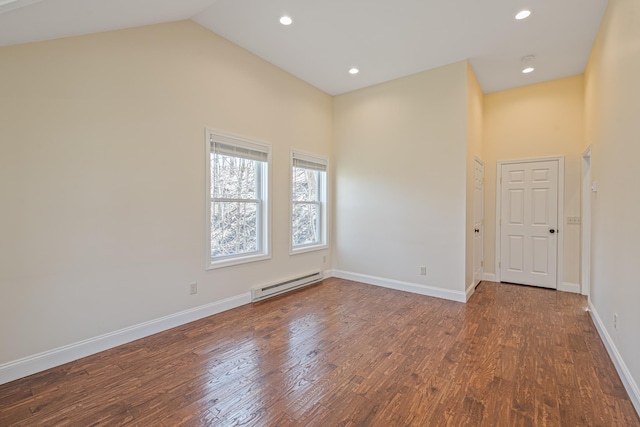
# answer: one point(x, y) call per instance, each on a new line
point(560, 255)
point(587, 189)
point(478, 210)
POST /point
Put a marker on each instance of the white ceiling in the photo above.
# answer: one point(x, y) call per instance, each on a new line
point(385, 39)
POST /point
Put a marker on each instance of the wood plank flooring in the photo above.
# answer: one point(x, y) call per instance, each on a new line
point(347, 354)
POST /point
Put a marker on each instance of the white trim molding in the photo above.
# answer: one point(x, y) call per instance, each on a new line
point(585, 208)
point(489, 277)
point(398, 285)
point(574, 288)
point(628, 381)
point(49, 359)
point(329, 273)
point(471, 289)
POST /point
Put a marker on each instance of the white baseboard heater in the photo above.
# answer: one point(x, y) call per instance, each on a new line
point(268, 291)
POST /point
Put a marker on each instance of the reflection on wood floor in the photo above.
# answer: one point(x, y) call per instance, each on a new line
point(344, 353)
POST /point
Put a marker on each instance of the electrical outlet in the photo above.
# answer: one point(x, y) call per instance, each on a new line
point(615, 321)
point(193, 288)
point(573, 220)
point(423, 270)
point(324, 259)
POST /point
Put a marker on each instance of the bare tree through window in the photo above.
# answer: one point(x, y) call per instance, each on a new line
point(235, 205)
point(306, 206)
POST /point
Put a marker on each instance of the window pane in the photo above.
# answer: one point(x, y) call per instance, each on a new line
point(234, 228)
point(233, 177)
point(305, 184)
point(305, 223)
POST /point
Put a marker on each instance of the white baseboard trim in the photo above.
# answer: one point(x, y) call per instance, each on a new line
point(629, 383)
point(489, 277)
point(574, 288)
point(39, 362)
point(329, 273)
point(470, 290)
point(398, 285)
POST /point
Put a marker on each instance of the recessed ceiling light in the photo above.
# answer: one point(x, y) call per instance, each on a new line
point(354, 70)
point(523, 14)
point(286, 20)
point(528, 70)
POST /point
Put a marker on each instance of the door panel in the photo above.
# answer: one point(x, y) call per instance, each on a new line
point(540, 206)
point(516, 254)
point(540, 261)
point(529, 211)
point(516, 210)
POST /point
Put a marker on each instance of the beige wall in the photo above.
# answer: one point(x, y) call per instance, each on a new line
point(540, 120)
point(400, 150)
point(613, 128)
point(103, 182)
point(475, 100)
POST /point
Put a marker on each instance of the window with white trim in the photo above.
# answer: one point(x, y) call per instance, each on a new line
point(237, 202)
point(308, 202)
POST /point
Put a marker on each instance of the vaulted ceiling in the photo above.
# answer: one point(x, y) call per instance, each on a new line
point(384, 39)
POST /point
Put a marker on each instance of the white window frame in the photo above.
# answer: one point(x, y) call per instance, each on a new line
point(264, 205)
point(323, 202)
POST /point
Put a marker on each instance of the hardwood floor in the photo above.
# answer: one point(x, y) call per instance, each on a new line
point(343, 353)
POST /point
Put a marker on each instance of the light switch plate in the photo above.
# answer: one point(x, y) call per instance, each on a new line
point(575, 220)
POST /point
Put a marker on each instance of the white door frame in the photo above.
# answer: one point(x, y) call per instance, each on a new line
point(560, 256)
point(477, 280)
point(585, 252)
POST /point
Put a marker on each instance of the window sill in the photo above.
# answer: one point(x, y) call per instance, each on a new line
point(228, 262)
point(310, 248)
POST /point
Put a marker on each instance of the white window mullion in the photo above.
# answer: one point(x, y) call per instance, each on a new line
point(223, 200)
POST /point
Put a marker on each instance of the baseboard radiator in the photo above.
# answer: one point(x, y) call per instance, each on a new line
point(268, 291)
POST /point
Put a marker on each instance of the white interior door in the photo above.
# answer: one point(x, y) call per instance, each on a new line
point(478, 222)
point(529, 223)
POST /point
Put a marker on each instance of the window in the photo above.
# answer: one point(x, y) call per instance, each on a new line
point(308, 202)
point(237, 200)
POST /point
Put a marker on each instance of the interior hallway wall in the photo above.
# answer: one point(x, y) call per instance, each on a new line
point(613, 129)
